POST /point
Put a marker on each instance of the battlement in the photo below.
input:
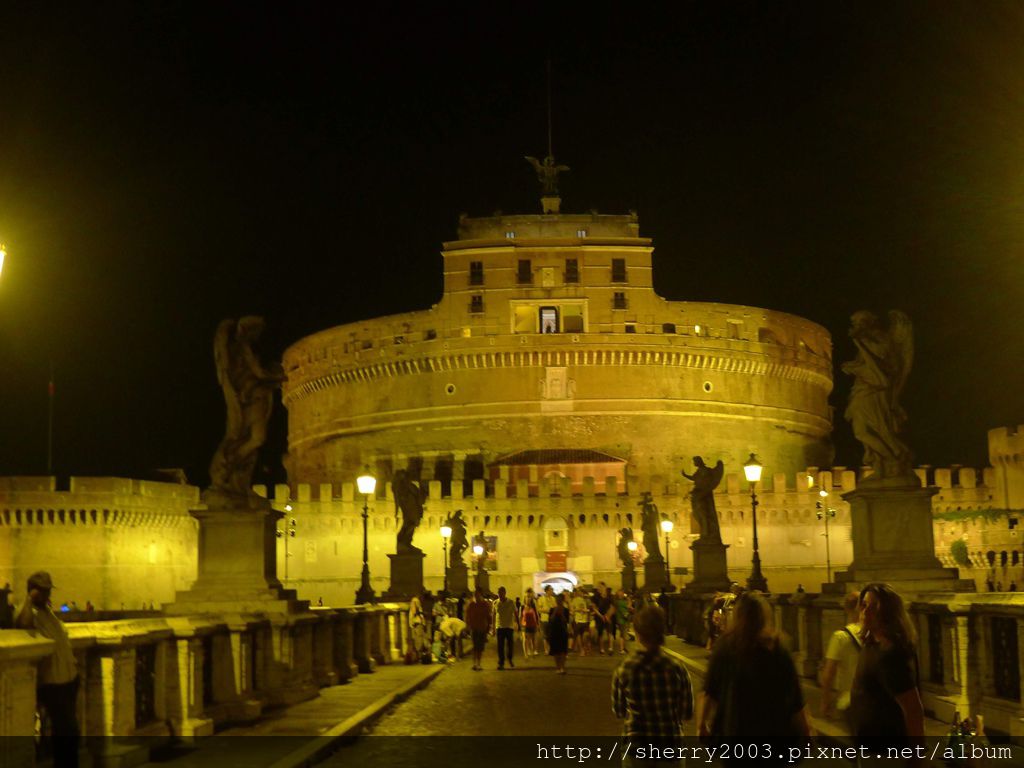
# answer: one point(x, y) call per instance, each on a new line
point(1006, 445)
point(777, 488)
point(95, 501)
point(578, 226)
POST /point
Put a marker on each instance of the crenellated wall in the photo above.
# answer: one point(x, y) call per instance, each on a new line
point(112, 541)
point(117, 541)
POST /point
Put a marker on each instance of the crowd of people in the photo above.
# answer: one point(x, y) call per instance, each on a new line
point(576, 620)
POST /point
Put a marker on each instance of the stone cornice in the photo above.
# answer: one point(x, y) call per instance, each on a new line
point(534, 358)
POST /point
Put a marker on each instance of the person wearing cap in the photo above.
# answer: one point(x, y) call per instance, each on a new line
point(58, 674)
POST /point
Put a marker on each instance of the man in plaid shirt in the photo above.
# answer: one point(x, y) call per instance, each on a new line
point(650, 689)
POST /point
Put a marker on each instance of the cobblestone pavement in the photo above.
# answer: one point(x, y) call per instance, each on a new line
point(529, 700)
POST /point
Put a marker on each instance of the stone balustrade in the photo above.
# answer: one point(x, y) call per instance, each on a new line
point(184, 675)
point(970, 647)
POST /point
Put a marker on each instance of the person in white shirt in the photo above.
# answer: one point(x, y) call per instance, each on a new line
point(841, 660)
point(58, 674)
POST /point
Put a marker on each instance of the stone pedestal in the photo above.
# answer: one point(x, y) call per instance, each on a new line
point(458, 579)
point(628, 579)
point(710, 569)
point(893, 540)
point(237, 560)
point(655, 578)
point(406, 575)
point(483, 581)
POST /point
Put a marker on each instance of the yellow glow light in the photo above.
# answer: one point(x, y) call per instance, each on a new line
point(446, 531)
point(3, 255)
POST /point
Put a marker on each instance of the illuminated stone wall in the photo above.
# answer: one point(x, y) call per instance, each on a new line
point(111, 541)
point(114, 540)
point(449, 389)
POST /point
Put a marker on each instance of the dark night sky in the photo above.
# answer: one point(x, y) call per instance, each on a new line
point(165, 165)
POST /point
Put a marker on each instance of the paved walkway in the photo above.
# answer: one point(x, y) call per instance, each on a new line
point(297, 735)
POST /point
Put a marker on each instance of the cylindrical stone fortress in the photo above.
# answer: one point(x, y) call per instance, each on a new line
point(549, 336)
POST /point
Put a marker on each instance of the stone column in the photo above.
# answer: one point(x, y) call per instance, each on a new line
point(362, 643)
point(344, 661)
point(324, 668)
point(185, 708)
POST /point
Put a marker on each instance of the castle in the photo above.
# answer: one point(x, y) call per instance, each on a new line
point(548, 389)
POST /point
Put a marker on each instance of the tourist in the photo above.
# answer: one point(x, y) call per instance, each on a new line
point(841, 660)
point(544, 605)
point(885, 705)
point(506, 622)
point(417, 626)
point(751, 690)
point(89, 607)
point(57, 673)
point(580, 607)
point(715, 620)
point(622, 619)
point(6, 609)
point(650, 689)
point(452, 631)
point(558, 633)
point(601, 611)
point(529, 621)
point(478, 619)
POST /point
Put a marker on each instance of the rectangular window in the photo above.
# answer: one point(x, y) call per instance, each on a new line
point(630, 327)
point(618, 270)
point(619, 300)
point(524, 275)
point(526, 320)
point(572, 318)
point(510, 235)
point(476, 273)
point(668, 327)
point(572, 270)
point(476, 304)
point(581, 233)
point(549, 319)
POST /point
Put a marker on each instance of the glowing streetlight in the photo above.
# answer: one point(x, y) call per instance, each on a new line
point(824, 513)
point(752, 470)
point(666, 528)
point(367, 484)
point(446, 533)
point(3, 255)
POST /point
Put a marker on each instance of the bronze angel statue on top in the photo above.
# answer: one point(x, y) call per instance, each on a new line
point(884, 358)
point(547, 174)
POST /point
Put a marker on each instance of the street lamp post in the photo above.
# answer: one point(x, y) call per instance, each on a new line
point(287, 533)
point(666, 527)
point(752, 470)
point(367, 484)
point(824, 513)
point(446, 533)
point(478, 552)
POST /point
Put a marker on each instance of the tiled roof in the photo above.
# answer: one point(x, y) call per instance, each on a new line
point(558, 456)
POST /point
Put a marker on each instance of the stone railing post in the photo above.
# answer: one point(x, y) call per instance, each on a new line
point(186, 707)
point(362, 640)
point(344, 646)
point(324, 669)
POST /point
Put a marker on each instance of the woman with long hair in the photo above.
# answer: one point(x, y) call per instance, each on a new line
point(751, 690)
point(529, 621)
point(885, 703)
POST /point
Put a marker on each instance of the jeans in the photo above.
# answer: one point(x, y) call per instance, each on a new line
point(505, 637)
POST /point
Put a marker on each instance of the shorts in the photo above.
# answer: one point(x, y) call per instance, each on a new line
point(479, 639)
point(600, 627)
point(580, 628)
point(530, 630)
point(612, 627)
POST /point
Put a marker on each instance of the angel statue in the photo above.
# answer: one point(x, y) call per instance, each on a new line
point(547, 174)
point(702, 499)
point(650, 522)
point(249, 393)
point(880, 370)
point(625, 555)
point(409, 498)
point(459, 542)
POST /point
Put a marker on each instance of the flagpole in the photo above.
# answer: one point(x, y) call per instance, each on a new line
point(49, 430)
